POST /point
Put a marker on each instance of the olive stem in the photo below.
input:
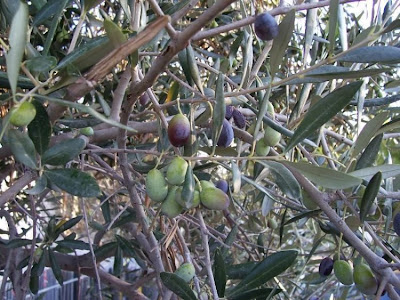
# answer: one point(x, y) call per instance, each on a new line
point(204, 242)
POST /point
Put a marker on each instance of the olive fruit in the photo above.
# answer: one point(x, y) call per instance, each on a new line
point(261, 148)
point(206, 184)
point(271, 110)
point(181, 201)
point(186, 271)
point(266, 27)
point(228, 112)
point(23, 114)
point(88, 131)
point(176, 171)
point(214, 198)
point(156, 186)
point(271, 137)
point(226, 137)
point(170, 207)
point(325, 267)
point(396, 224)
point(222, 185)
point(239, 119)
point(144, 99)
point(364, 279)
point(178, 130)
point(343, 272)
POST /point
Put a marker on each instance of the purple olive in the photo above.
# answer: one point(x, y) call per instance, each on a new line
point(396, 223)
point(325, 267)
point(226, 137)
point(179, 130)
point(144, 99)
point(228, 112)
point(222, 185)
point(266, 27)
point(239, 119)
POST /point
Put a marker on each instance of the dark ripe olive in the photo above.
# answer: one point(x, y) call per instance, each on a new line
point(396, 223)
point(178, 130)
point(325, 267)
point(144, 99)
point(239, 119)
point(226, 137)
point(228, 112)
point(222, 185)
point(266, 27)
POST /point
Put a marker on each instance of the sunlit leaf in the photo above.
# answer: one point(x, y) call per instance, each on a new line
point(323, 111)
point(325, 177)
point(372, 54)
point(17, 40)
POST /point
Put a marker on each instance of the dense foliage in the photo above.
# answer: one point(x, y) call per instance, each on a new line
point(224, 160)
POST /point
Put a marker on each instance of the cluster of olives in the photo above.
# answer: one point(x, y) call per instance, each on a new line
point(168, 190)
point(362, 275)
point(271, 136)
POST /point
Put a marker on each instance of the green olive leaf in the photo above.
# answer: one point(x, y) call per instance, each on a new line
point(323, 111)
point(17, 40)
point(369, 195)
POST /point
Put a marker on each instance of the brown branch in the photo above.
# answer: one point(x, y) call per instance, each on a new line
point(250, 20)
point(374, 261)
point(16, 188)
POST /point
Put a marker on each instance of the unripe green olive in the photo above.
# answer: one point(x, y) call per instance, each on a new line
point(156, 186)
point(343, 272)
point(88, 131)
point(176, 171)
point(262, 149)
point(214, 198)
point(23, 114)
point(186, 271)
point(364, 279)
point(271, 137)
point(170, 207)
point(271, 110)
point(206, 184)
point(181, 201)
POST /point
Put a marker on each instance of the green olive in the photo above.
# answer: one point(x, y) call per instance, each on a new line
point(176, 171)
point(170, 207)
point(271, 137)
point(23, 114)
point(343, 272)
point(214, 198)
point(364, 279)
point(186, 271)
point(156, 186)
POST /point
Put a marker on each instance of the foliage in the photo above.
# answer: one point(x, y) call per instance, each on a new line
point(304, 120)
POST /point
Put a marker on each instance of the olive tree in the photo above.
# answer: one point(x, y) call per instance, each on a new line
point(232, 149)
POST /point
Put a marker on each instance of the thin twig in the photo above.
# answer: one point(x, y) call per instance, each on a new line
point(204, 242)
